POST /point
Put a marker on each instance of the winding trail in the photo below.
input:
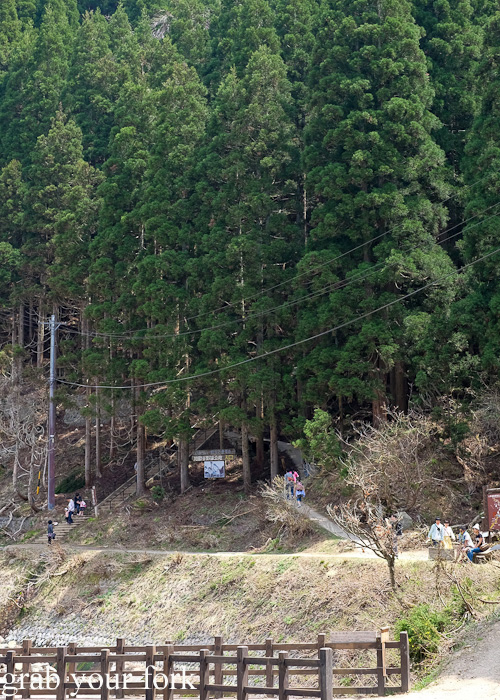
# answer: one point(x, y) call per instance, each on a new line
point(415, 555)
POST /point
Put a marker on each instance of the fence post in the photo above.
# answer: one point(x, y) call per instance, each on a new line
point(241, 673)
point(282, 675)
point(380, 665)
point(269, 667)
point(120, 649)
point(27, 644)
point(168, 667)
point(218, 671)
point(405, 661)
point(61, 672)
point(321, 641)
point(71, 652)
point(204, 674)
point(150, 675)
point(10, 664)
point(326, 673)
point(105, 674)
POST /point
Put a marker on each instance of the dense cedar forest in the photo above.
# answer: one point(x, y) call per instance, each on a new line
point(296, 200)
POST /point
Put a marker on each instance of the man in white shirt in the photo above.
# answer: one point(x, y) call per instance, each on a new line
point(436, 533)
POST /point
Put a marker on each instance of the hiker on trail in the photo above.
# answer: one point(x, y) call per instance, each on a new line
point(299, 492)
point(436, 533)
point(51, 535)
point(70, 510)
point(83, 505)
point(289, 484)
point(77, 499)
point(478, 543)
point(448, 536)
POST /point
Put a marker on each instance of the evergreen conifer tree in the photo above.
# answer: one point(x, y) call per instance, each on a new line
point(375, 172)
point(92, 86)
point(10, 29)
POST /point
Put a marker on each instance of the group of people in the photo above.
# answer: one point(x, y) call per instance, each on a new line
point(294, 489)
point(442, 535)
point(75, 505)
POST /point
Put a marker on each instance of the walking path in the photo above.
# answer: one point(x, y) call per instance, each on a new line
point(326, 523)
point(416, 555)
point(473, 673)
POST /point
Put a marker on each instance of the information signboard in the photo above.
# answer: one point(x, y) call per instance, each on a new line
point(215, 469)
point(493, 502)
point(208, 456)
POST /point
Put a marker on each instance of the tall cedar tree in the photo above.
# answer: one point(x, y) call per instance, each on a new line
point(92, 86)
point(12, 196)
point(250, 237)
point(482, 163)
point(375, 172)
point(61, 212)
point(27, 115)
point(10, 30)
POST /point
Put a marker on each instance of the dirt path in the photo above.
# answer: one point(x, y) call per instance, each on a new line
point(473, 673)
point(416, 555)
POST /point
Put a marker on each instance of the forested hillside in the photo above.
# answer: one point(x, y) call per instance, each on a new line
point(250, 208)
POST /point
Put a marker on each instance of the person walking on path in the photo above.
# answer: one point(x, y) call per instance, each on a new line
point(289, 483)
point(50, 532)
point(77, 499)
point(478, 541)
point(436, 533)
point(299, 492)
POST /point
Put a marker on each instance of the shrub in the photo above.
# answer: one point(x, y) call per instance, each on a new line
point(158, 493)
point(424, 627)
point(72, 482)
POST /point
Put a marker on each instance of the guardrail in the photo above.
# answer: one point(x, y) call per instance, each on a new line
point(252, 669)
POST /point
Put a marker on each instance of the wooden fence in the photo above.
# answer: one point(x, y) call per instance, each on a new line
point(161, 671)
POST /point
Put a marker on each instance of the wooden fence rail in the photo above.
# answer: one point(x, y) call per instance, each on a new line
point(169, 670)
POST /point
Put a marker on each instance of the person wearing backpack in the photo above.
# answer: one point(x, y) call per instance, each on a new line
point(289, 483)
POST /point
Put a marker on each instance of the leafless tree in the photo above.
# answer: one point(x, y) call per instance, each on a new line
point(363, 520)
point(23, 440)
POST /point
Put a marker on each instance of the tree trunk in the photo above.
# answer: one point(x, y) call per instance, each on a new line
point(140, 489)
point(379, 403)
point(221, 434)
point(247, 474)
point(379, 410)
point(98, 460)
point(112, 428)
point(392, 573)
point(32, 481)
point(183, 457)
point(259, 445)
point(88, 445)
point(259, 414)
point(400, 395)
point(273, 448)
point(20, 331)
point(41, 336)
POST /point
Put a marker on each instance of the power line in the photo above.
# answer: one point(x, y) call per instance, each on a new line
point(290, 345)
point(295, 277)
point(338, 285)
